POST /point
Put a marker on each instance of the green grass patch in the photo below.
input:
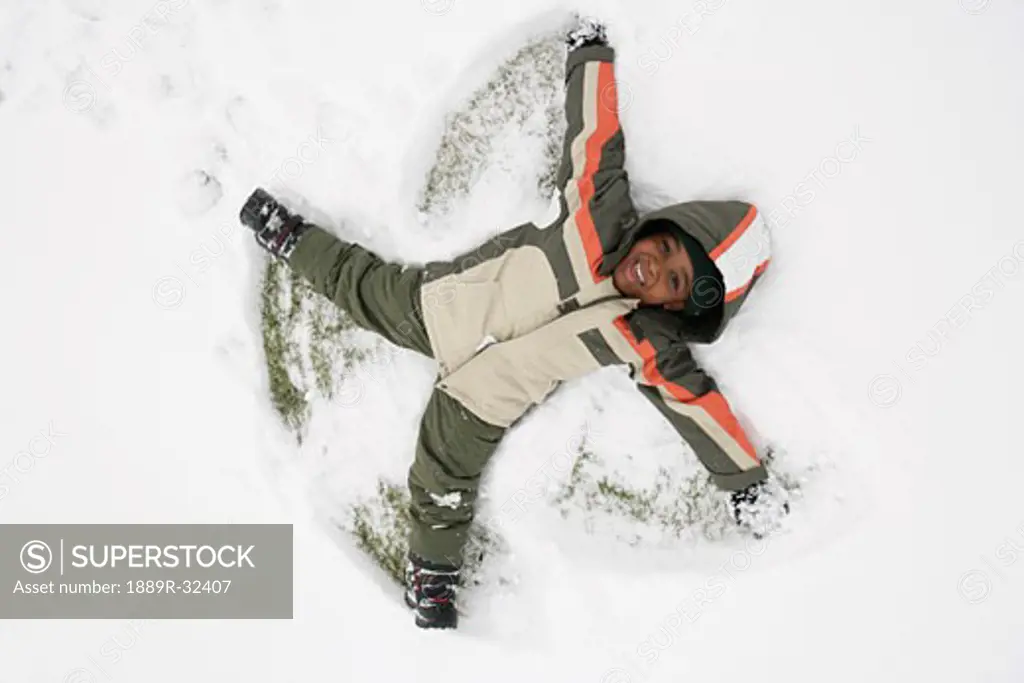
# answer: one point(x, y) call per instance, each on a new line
point(526, 95)
point(380, 525)
point(310, 345)
point(674, 505)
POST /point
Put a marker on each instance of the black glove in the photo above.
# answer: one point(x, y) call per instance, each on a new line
point(277, 230)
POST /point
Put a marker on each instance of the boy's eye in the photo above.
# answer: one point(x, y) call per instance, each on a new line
point(665, 247)
point(674, 280)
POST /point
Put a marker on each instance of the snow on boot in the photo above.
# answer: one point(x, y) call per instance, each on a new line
point(588, 31)
point(277, 230)
point(430, 590)
point(760, 507)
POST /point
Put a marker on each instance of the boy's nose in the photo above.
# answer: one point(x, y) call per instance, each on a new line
point(653, 271)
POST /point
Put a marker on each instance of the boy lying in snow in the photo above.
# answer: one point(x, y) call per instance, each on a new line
point(539, 305)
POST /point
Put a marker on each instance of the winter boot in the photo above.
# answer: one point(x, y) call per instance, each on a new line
point(430, 590)
point(760, 507)
point(277, 230)
point(588, 31)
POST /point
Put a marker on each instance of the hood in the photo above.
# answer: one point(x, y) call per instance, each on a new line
point(734, 235)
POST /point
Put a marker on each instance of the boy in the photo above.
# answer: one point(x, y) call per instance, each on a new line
point(536, 306)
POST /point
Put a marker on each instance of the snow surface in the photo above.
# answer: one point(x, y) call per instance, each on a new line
point(882, 349)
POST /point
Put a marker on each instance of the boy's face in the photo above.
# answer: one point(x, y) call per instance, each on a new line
point(658, 271)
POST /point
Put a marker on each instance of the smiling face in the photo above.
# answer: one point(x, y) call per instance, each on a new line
point(657, 270)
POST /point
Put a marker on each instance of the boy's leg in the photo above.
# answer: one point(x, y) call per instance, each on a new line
point(379, 296)
point(453, 448)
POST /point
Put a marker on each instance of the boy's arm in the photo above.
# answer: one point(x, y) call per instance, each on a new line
point(592, 182)
point(502, 382)
point(669, 377)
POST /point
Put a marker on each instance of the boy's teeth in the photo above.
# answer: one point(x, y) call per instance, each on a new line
point(638, 272)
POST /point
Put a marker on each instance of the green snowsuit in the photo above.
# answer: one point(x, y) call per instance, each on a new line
point(536, 305)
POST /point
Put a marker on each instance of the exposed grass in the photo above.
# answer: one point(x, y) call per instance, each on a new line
point(381, 528)
point(528, 83)
point(279, 348)
point(673, 505)
point(308, 344)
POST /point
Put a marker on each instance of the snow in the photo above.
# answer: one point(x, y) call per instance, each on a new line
point(882, 348)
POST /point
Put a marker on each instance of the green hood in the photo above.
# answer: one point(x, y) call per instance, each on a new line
point(734, 235)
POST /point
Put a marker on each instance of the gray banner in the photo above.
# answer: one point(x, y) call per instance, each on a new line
point(147, 571)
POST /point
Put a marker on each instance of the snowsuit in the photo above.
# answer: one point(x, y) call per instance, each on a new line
point(536, 306)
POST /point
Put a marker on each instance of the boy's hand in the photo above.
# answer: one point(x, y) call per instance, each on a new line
point(760, 507)
point(588, 31)
point(276, 229)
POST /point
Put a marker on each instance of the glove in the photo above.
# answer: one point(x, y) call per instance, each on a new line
point(588, 31)
point(760, 507)
point(276, 229)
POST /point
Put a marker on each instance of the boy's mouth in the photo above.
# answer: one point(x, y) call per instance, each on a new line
point(638, 273)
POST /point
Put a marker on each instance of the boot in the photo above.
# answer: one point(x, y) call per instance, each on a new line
point(430, 590)
point(277, 230)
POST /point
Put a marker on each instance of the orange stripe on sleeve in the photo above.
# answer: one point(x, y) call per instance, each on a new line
point(606, 103)
point(713, 403)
